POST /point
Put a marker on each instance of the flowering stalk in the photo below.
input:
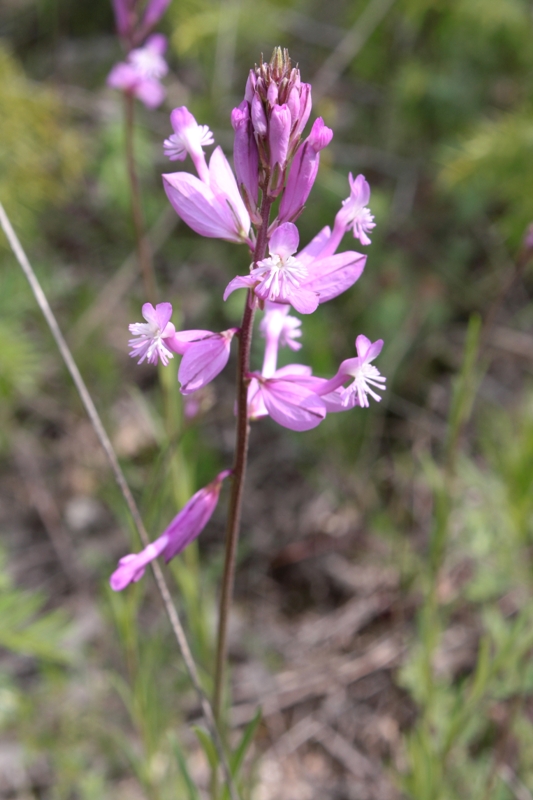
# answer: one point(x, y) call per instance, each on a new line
point(270, 162)
point(139, 77)
point(239, 467)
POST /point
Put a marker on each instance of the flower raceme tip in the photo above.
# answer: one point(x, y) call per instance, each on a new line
point(141, 73)
point(130, 24)
point(183, 529)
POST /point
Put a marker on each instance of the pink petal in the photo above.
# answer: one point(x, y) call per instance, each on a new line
point(366, 350)
point(315, 246)
point(360, 189)
point(180, 341)
point(150, 92)
point(240, 282)
point(297, 370)
point(198, 207)
point(292, 405)
point(163, 313)
point(223, 183)
point(303, 300)
point(331, 276)
point(284, 241)
point(256, 405)
point(202, 362)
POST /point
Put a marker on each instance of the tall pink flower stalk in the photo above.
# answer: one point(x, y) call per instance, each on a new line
point(272, 162)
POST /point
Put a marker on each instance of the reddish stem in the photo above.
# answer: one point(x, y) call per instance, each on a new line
point(239, 467)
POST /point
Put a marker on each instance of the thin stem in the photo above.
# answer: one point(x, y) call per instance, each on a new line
point(124, 488)
point(144, 254)
point(239, 468)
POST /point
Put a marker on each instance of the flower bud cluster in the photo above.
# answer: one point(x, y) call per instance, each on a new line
point(140, 74)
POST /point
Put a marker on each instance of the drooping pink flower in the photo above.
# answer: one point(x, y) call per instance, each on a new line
point(141, 73)
point(352, 215)
point(303, 171)
point(188, 138)
point(148, 340)
point(365, 376)
point(211, 205)
point(183, 529)
point(204, 359)
point(286, 398)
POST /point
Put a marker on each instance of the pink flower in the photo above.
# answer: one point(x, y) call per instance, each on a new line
point(211, 204)
point(183, 529)
point(148, 340)
point(205, 354)
point(304, 280)
point(280, 277)
point(287, 398)
point(188, 137)
point(354, 213)
point(364, 375)
point(140, 75)
point(204, 359)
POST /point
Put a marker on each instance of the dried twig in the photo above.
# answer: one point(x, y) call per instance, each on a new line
point(124, 488)
point(296, 686)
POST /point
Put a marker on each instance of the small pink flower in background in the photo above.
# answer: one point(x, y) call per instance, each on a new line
point(140, 75)
point(354, 213)
point(130, 26)
point(148, 337)
point(183, 529)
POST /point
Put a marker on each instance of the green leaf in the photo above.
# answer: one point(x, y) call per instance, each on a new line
point(207, 745)
point(238, 756)
point(192, 790)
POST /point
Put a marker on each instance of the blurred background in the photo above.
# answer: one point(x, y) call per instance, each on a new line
point(384, 610)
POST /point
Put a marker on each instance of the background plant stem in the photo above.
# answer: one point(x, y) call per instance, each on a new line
point(141, 240)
